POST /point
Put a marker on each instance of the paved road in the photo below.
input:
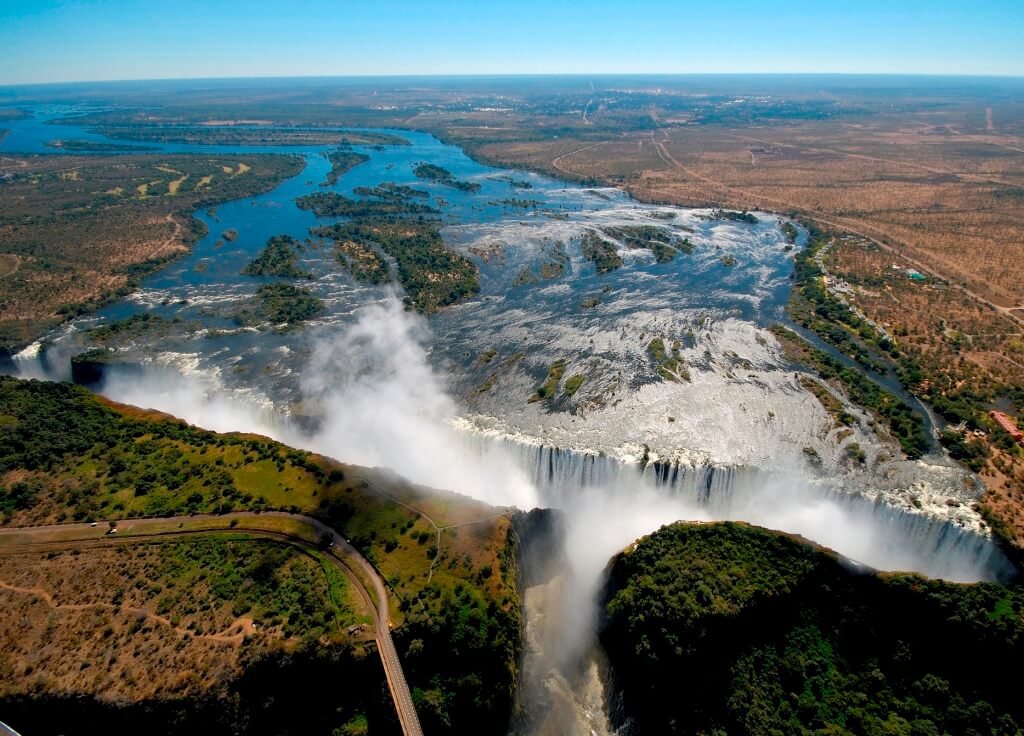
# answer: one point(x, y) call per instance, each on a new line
point(298, 530)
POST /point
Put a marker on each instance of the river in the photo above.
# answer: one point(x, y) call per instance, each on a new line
point(446, 399)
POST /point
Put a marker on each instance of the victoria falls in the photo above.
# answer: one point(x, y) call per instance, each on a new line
point(614, 364)
point(547, 416)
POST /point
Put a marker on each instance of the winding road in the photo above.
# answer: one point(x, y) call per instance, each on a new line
point(300, 531)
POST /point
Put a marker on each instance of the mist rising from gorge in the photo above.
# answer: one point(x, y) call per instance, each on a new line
point(381, 403)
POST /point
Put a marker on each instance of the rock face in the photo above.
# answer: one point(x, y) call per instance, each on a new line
point(93, 366)
point(541, 535)
point(731, 628)
point(863, 518)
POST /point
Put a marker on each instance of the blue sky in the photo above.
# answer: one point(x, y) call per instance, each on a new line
point(53, 40)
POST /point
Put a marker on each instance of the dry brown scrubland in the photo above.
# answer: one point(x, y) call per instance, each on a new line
point(78, 231)
point(117, 622)
point(941, 192)
point(952, 199)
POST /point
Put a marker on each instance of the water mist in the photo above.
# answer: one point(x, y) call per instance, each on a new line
point(381, 404)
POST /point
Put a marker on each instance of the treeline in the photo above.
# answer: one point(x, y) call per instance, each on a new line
point(904, 423)
point(332, 204)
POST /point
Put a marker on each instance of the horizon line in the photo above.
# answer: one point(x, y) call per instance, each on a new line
point(520, 75)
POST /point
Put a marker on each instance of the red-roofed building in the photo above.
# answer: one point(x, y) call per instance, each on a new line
point(1008, 425)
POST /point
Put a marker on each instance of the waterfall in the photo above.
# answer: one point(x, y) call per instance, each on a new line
point(861, 526)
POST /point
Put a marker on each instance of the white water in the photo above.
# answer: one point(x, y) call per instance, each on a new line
point(382, 404)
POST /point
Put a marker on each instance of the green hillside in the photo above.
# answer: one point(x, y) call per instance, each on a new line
point(727, 628)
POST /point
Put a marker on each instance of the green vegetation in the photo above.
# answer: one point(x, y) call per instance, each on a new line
point(602, 253)
point(432, 275)
point(733, 216)
point(663, 243)
point(342, 161)
point(300, 595)
point(516, 203)
point(79, 146)
point(549, 389)
point(819, 311)
point(726, 628)
point(332, 204)
point(487, 356)
point(903, 422)
point(278, 258)
point(790, 232)
point(439, 175)
point(359, 258)
point(65, 454)
point(82, 231)
point(515, 183)
point(830, 403)
point(669, 366)
point(167, 647)
point(815, 308)
point(391, 191)
point(573, 383)
point(552, 268)
point(281, 304)
point(971, 451)
point(487, 385)
point(728, 260)
point(548, 270)
point(243, 136)
point(144, 323)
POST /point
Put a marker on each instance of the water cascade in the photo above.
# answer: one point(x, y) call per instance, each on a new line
point(858, 525)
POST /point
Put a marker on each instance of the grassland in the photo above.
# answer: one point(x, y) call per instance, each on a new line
point(209, 590)
point(726, 628)
point(449, 562)
point(83, 231)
